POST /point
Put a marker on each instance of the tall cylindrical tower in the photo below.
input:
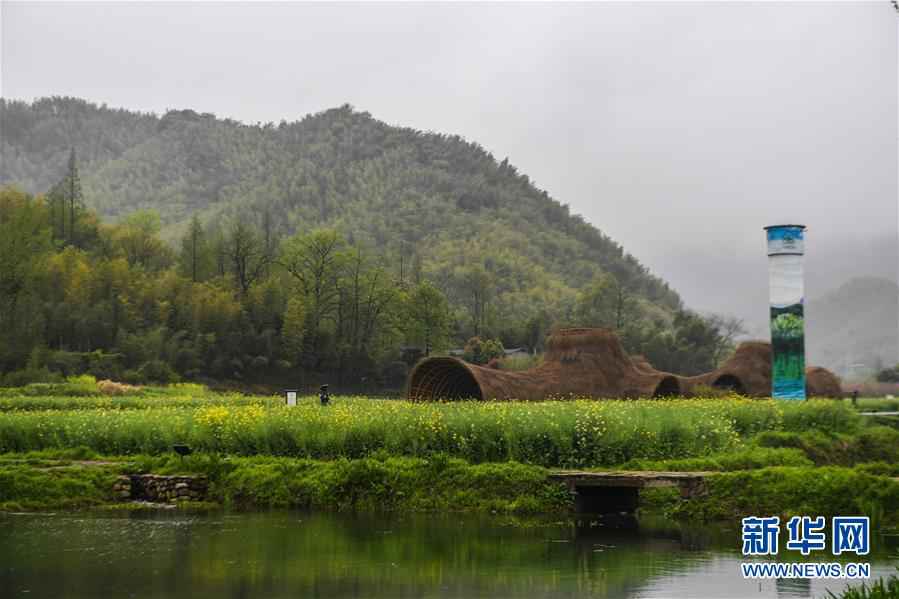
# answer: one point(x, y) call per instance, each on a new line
point(786, 246)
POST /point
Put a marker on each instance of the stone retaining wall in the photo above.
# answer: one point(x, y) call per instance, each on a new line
point(158, 488)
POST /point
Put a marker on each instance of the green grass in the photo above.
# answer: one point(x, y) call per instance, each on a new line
point(39, 486)
point(882, 588)
point(369, 454)
point(576, 433)
point(871, 444)
point(741, 459)
point(132, 402)
point(876, 404)
point(382, 483)
point(789, 491)
point(439, 483)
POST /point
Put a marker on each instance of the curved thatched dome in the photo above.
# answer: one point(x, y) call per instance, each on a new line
point(592, 363)
point(444, 378)
point(748, 372)
point(578, 362)
point(820, 382)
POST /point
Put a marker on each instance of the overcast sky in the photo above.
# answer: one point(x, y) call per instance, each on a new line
point(679, 129)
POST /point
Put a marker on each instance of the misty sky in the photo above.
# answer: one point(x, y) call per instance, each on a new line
point(677, 129)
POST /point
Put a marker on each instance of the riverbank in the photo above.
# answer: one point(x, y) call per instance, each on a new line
point(72, 449)
point(48, 480)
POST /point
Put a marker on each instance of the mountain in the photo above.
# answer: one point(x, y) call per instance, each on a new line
point(855, 324)
point(434, 202)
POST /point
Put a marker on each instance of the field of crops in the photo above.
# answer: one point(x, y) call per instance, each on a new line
point(571, 433)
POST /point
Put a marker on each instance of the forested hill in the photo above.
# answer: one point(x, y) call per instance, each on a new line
point(436, 199)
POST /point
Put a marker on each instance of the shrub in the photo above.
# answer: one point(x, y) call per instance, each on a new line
point(742, 459)
point(876, 443)
point(157, 371)
point(823, 414)
point(789, 491)
point(105, 366)
point(888, 375)
point(113, 388)
point(478, 351)
point(134, 377)
point(879, 589)
point(66, 362)
point(20, 378)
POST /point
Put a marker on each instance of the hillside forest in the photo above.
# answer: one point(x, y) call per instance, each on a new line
point(144, 248)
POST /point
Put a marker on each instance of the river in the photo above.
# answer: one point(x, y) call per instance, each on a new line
point(297, 555)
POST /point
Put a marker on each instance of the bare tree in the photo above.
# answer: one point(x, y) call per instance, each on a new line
point(246, 254)
point(315, 260)
point(729, 328)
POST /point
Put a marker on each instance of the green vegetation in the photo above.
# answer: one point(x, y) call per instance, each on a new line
point(787, 326)
point(322, 246)
point(439, 483)
point(790, 491)
point(879, 589)
point(482, 351)
point(875, 443)
point(741, 459)
point(28, 484)
point(877, 404)
point(577, 433)
point(888, 375)
point(48, 480)
point(369, 454)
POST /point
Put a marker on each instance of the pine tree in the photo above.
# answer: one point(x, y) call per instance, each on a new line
point(195, 258)
point(66, 197)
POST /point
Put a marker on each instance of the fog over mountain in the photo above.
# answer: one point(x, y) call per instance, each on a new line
point(679, 130)
point(845, 326)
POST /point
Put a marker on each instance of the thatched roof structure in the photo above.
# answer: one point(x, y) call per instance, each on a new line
point(747, 372)
point(820, 382)
point(592, 363)
point(581, 362)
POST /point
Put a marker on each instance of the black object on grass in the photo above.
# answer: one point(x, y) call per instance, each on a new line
point(182, 450)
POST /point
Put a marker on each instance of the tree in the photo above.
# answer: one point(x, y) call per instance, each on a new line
point(368, 297)
point(888, 375)
point(24, 243)
point(195, 260)
point(478, 285)
point(315, 261)
point(138, 237)
point(293, 330)
point(536, 329)
point(73, 192)
point(245, 254)
point(429, 320)
point(728, 329)
point(481, 351)
point(601, 303)
point(687, 346)
point(65, 198)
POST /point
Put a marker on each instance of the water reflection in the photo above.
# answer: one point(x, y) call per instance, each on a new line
point(291, 554)
point(793, 587)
